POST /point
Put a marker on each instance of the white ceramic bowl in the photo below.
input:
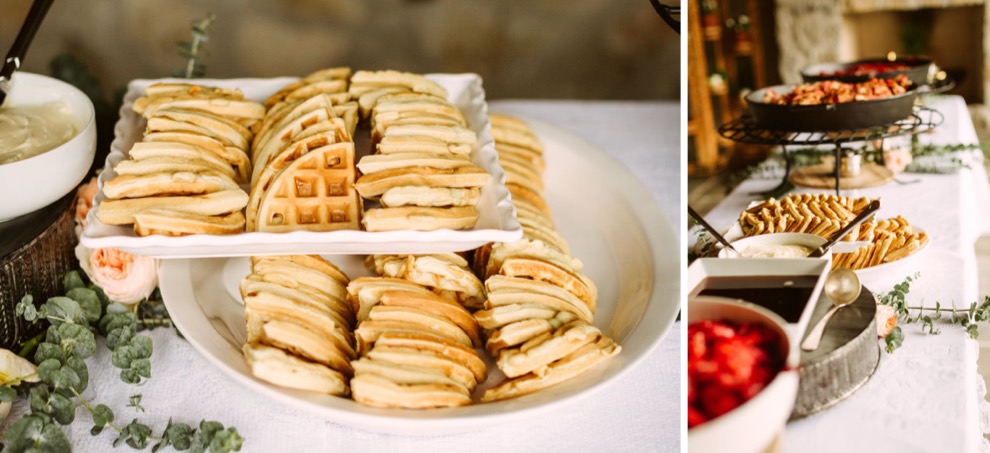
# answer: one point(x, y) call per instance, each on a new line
point(762, 240)
point(33, 183)
point(752, 426)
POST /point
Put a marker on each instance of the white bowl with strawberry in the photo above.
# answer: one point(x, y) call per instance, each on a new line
point(742, 376)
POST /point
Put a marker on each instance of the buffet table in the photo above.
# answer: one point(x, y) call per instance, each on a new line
point(927, 395)
point(641, 410)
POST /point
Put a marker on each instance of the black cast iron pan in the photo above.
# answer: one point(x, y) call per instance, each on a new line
point(829, 117)
point(918, 71)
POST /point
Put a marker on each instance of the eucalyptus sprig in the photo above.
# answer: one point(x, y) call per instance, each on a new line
point(193, 50)
point(74, 321)
point(926, 316)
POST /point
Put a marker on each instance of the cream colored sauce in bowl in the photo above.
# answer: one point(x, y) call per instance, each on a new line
point(29, 130)
point(775, 251)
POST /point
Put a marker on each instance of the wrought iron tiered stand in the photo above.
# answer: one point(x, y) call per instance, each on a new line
point(744, 130)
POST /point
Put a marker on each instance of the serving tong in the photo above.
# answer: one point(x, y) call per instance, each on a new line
point(870, 210)
point(15, 57)
point(715, 234)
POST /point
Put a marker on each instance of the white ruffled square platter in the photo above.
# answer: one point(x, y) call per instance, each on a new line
point(497, 221)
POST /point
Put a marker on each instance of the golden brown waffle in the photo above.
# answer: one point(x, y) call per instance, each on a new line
point(539, 308)
point(315, 192)
point(184, 178)
point(299, 336)
point(421, 173)
point(415, 338)
point(303, 158)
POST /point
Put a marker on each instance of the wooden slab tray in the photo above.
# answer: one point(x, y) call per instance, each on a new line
point(822, 176)
point(848, 356)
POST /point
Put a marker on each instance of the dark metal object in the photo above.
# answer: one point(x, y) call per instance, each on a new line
point(15, 57)
point(718, 237)
point(745, 130)
point(845, 360)
point(667, 13)
point(829, 117)
point(870, 210)
point(917, 71)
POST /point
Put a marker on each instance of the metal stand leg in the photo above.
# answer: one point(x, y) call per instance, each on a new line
point(881, 159)
point(838, 166)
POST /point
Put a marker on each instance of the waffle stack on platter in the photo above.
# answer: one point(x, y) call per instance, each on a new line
point(299, 323)
point(183, 177)
point(539, 309)
point(421, 172)
point(420, 322)
point(303, 158)
point(417, 342)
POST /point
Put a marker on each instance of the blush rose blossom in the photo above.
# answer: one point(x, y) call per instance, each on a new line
point(124, 277)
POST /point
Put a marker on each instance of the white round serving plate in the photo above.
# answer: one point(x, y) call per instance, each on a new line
point(894, 269)
point(609, 219)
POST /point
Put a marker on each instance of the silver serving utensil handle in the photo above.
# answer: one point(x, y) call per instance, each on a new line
point(19, 49)
point(814, 337)
point(866, 214)
point(842, 287)
point(704, 224)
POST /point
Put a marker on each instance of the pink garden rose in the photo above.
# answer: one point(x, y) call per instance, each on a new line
point(886, 320)
point(897, 159)
point(124, 277)
point(84, 202)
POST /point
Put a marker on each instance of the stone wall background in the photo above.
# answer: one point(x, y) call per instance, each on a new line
point(581, 49)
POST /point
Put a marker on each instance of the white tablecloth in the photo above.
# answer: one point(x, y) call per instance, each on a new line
point(640, 412)
point(927, 395)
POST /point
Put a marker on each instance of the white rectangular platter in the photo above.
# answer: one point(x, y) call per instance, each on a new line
point(497, 221)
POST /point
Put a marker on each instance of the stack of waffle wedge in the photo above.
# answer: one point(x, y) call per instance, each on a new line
point(299, 323)
point(182, 177)
point(540, 307)
point(417, 343)
point(303, 158)
point(421, 172)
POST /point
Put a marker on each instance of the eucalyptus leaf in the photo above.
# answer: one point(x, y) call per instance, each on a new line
point(63, 411)
point(142, 345)
point(226, 440)
point(135, 402)
point(50, 371)
point(7, 394)
point(77, 340)
point(26, 308)
point(47, 351)
point(135, 435)
point(72, 281)
point(36, 433)
point(119, 336)
point(62, 309)
point(89, 302)
point(142, 367)
point(102, 415)
point(894, 339)
point(78, 366)
point(178, 435)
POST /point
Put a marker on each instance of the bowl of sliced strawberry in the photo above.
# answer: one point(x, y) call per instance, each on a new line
point(742, 375)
